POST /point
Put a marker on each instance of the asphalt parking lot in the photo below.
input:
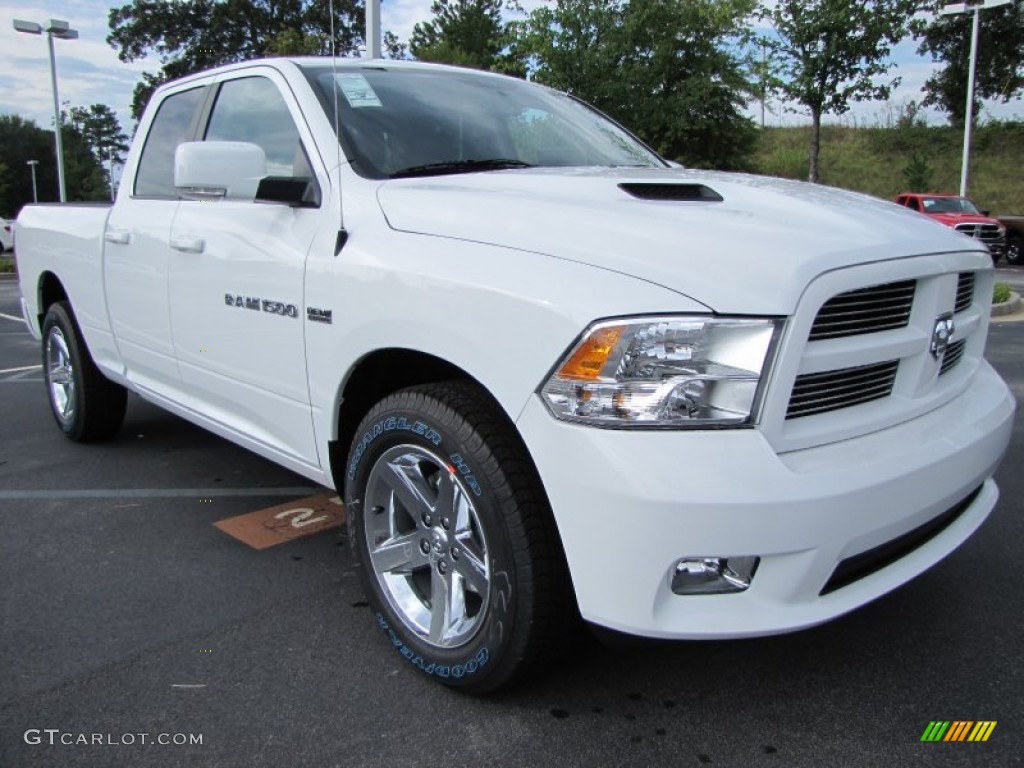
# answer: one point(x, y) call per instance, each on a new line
point(124, 611)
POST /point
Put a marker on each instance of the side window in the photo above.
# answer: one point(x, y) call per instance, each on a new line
point(252, 109)
point(170, 127)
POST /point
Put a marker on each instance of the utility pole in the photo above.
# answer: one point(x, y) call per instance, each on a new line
point(974, 7)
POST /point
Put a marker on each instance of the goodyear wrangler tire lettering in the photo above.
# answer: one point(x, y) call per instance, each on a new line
point(390, 424)
point(458, 554)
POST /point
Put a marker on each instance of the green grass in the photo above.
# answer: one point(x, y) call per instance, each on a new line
point(872, 160)
point(1000, 293)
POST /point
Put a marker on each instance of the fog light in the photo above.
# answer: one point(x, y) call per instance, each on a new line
point(713, 575)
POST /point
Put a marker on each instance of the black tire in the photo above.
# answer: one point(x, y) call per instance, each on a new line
point(86, 405)
point(1014, 249)
point(508, 603)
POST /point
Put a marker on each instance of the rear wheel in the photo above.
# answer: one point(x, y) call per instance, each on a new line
point(460, 557)
point(1015, 249)
point(86, 405)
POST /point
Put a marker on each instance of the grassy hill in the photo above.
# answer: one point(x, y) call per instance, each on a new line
point(872, 160)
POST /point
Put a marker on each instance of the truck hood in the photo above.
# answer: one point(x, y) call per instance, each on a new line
point(952, 219)
point(753, 251)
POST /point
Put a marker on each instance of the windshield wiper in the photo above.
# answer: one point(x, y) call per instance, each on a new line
point(458, 166)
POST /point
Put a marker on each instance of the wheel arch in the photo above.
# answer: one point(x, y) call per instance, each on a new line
point(379, 374)
point(50, 290)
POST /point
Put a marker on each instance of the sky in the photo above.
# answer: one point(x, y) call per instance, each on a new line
point(89, 71)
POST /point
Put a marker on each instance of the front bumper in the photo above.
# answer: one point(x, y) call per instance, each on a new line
point(629, 504)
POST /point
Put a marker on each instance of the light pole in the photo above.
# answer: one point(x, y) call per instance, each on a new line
point(61, 29)
point(373, 29)
point(975, 7)
point(110, 170)
point(35, 193)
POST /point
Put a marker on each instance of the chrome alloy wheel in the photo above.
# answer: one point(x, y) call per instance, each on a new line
point(60, 375)
point(426, 545)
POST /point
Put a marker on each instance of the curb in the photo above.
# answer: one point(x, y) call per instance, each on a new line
point(1009, 307)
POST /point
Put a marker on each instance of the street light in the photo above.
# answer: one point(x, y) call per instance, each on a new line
point(975, 7)
point(62, 30)
point(32, 164)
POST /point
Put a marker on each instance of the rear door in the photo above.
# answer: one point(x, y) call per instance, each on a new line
point(135, 248)
point(236, 277)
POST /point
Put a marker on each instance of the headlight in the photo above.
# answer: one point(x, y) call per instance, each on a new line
point(664, 372)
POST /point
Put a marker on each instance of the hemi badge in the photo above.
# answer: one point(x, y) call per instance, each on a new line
point(315, 315)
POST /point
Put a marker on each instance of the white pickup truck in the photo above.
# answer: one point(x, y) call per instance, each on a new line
point(551, 374)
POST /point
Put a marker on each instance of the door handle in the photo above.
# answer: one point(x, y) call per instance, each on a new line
point(118, 236)
point(188, 244)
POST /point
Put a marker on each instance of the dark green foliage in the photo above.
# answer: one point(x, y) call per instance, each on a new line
point(99, 127)
point(918, 174)
point(191, 35)
point(947, 39)
point(466, 33)
point(22, 140)
point(666, 69)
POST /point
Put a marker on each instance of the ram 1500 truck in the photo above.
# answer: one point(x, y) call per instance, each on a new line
point(551, 374)
point(962, 215)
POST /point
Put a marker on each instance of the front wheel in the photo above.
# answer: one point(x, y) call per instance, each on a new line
point(1015, 249)
point(86, 405)
point(458, 551)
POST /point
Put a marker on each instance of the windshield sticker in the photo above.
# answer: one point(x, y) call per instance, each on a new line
point(358, 93)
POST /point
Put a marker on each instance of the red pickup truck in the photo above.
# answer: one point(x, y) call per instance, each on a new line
point(962, 215)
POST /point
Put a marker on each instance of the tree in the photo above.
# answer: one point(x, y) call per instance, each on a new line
point(917, 174)
point(665, 68)
point(99, 127)
point(22, 140)
point(466, 33)
point(1000, 70)
point(831, 52)
point(191, 35)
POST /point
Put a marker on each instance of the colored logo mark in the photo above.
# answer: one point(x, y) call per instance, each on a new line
point(959, 730)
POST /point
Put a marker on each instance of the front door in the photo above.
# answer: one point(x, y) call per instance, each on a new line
point(236, 272)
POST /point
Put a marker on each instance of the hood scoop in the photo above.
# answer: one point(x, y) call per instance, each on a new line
point(686, 192)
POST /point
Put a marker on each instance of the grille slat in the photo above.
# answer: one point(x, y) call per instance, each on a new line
point(815, 393)
point(882, 308)
point(836, 402)
point(954, 354)
point(854, 389)
point(964, 291)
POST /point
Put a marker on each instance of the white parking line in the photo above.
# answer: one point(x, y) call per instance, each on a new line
point(155, 493)
point(12, 317)
point(23, 368)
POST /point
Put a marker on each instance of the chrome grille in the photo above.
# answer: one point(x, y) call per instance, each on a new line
point(866, 310)
point(987, 233)
point(954, 354)
point(964, 291)
point(832, 390)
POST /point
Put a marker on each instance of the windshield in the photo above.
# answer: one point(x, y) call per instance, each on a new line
point(420, 122)
point(948, 205)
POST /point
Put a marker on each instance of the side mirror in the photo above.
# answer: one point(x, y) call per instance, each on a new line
point(986, 213)
point(228, 169)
